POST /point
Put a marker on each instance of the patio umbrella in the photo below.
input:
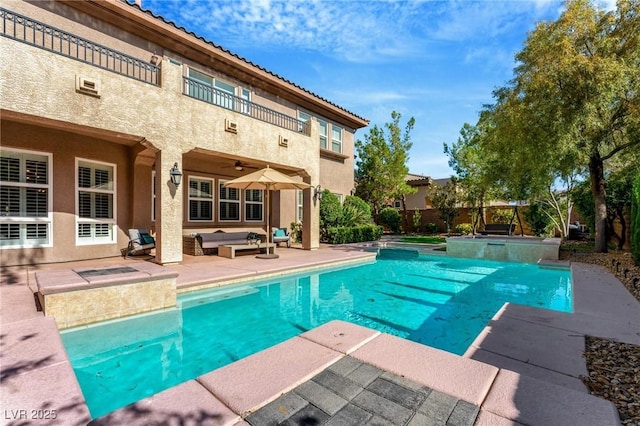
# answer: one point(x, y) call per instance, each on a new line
point(266, 179)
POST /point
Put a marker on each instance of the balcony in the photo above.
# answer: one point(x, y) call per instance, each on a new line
point(38, 34)
point(206, 93)
point(34, 33)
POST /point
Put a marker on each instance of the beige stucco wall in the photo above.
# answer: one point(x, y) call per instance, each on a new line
point(417, 200)
point(42, 84)
point(66, 147)
point(141, 127)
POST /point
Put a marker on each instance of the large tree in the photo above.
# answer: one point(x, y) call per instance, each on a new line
point(446, 199)
point(574, 104)
point(381, 165)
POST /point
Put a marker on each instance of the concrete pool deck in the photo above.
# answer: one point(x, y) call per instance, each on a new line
point(524, 368)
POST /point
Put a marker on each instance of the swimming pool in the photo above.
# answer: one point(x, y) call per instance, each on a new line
point(438, 301)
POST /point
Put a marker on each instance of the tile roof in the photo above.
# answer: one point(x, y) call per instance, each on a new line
point(248, 62)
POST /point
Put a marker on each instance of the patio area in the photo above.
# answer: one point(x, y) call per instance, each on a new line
point(524, 368)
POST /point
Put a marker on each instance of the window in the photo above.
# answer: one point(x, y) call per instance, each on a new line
point(224, 96)
point(201, 89)
point(304, 117)
point(25, 199)
point(299, 204)
point(245, 95)
point(204, 88)
point(200, 199)
point(95, 203)
point(229, 203)
point(323, 126)
point(253, 205)
point(336, 138)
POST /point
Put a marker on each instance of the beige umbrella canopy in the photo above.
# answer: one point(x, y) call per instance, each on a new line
point(266, 179)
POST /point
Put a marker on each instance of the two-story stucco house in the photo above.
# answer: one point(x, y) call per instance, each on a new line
point(101, 99)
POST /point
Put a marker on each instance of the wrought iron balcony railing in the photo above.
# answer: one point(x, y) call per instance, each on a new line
point(204, 92)
point(38, 34)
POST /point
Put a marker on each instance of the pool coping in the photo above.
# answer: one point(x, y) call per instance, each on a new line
point(603, 307)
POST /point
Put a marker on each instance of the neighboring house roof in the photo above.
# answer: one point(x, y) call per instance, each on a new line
point(417, 180)
point(344, 116)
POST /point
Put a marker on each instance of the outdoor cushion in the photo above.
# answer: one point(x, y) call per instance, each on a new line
point(280, 233)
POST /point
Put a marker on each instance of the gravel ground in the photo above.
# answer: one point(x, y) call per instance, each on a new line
point(614, 367)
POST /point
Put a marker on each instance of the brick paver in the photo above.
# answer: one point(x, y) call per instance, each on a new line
point(350, 393)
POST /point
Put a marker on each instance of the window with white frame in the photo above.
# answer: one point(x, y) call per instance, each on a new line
point(25, 199)
point(253, 205)
point(224, 96)
point(228, 203)
point(95, 202)
point(304, 117)
point(336, 138)
point(200, 199)
point(323, 127)
point(202, 88)
point(299, 205)
point(245, 95)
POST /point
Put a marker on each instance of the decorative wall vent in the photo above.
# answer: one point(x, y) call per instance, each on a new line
point(283, 141)
point(230, 126)
point(87, 85)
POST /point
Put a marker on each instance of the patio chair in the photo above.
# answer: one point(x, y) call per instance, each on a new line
point(140, 242)
point(281, 235)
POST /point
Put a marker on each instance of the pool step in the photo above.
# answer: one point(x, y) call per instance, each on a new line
point(214, 295)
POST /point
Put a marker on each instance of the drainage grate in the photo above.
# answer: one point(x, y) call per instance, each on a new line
point(106, 271)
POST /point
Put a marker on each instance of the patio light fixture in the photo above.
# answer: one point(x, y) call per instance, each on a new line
point(238, 166)
point(176, 175)
point(317, 193)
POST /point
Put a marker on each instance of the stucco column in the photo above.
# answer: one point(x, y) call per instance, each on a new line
point(310, 220)
point(168, 209)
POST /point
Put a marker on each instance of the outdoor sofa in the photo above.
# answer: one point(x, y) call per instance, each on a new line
point(208, 242)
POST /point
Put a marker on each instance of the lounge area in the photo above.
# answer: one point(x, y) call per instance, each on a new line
point(207, 243)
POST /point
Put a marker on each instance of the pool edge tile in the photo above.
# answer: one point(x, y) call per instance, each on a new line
point(454, 375)
point(258, 379)
point(190, 402)
point(341, 336)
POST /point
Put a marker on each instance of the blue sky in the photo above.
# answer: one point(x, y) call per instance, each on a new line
point(436, 61)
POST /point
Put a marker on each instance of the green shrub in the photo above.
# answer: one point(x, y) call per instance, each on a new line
point(635, 220)
point(501, 215)
point(417, 219)
point(463, 228)
point(296, 232)
point(353, 234)
point(540, 222)
point(431, 228)
point(330, 212)
point(355, 211)
point(390, 218)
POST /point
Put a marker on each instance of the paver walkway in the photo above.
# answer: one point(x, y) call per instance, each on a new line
point(351, 392)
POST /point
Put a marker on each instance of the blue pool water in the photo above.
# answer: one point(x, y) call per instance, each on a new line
point(438, 301)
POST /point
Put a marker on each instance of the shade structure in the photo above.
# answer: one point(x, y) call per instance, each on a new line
point(268, 180)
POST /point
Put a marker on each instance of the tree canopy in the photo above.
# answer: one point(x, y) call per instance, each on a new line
point(381, 165)
point(572, 107)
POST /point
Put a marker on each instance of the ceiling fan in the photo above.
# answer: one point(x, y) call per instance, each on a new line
point(241, 165)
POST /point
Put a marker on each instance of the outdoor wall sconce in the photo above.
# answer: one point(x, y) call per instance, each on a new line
point(317, 193)
point(154, 59)
point(176, 175)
